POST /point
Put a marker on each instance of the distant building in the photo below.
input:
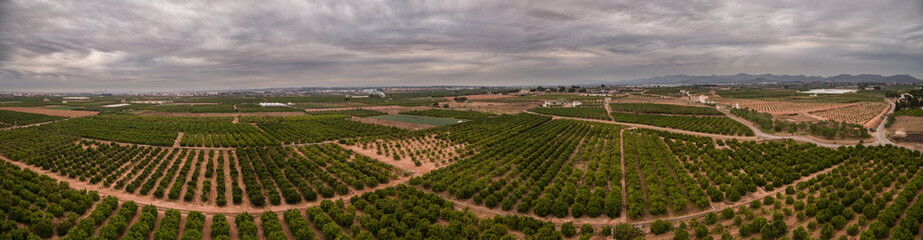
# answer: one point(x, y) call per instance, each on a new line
point(116, 105)
point(76, 98)
point(703, 99)
point(159, 102)
point(272, 104)
point(561, 103)
point(46, 100)
point(830, 91)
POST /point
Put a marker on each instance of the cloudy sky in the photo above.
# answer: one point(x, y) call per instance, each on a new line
point(167, 45)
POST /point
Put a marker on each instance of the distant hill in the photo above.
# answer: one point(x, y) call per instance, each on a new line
point(747, 78)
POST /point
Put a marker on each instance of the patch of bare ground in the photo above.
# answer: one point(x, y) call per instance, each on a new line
point(404, 125)
point(52, 112)
point(908, 124)
point(624, 214)
point(179, 138)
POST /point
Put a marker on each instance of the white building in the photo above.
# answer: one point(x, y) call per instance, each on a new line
point(272, 104)
point(159, 102)
point(831, 91)
point(703, 99)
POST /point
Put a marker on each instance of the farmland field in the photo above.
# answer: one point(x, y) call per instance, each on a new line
point(663, 108)
point(637, 167)
point(857, 114)
point(22, 118)
point(449, 114)
point(580, 112)
point(63, 108)
point(434, 121)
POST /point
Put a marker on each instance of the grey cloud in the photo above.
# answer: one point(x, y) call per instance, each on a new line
point(232, 44)
point(549, 15)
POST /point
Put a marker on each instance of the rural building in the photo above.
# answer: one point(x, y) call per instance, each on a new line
point(76, 98)
point(703, 99)
point(116, 105)
point(830, 91)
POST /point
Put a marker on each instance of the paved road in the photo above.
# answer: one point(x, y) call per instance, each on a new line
point(880, 132)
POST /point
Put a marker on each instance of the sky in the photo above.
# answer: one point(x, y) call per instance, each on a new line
point(151, 45)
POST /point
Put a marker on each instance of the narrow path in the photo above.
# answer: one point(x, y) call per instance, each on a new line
point(29, 125)
point(179, 138)
point(624, 209)
point(718, 136)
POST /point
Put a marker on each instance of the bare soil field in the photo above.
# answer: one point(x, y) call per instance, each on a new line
point(908, 124)
point(798, 117)
point(247, 114)
point(53, 112)
point(404, 125)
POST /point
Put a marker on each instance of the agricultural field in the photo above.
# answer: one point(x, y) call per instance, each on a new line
point(825, 129)
point(351, 112)
point(14, 118)
point(916, 112)
point(715, 125)
point(856, 114)
point(579, 112)
point(215, 131)
point(417, 148)
point(202, 108)
point(662, 109)
point(586, 174)
point(779, 108)
point(577, 171)
point(432, 121)
point(449, 114)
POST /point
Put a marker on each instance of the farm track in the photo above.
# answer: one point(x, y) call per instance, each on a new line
point(30, 125)
point(718, 136)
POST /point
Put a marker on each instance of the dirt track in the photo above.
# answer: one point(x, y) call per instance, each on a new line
point(53, 112)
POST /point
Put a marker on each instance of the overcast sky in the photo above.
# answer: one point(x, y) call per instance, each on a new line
point(166, 45)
